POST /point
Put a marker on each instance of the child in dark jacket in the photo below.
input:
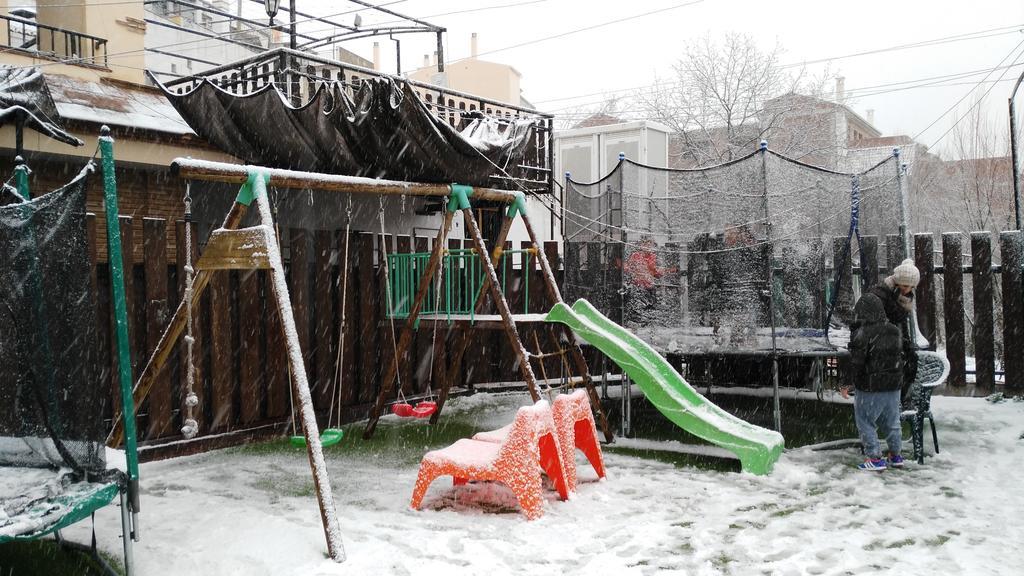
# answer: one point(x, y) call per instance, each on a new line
point(876, 369)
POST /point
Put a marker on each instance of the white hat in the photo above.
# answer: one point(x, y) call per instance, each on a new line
point(906, 274)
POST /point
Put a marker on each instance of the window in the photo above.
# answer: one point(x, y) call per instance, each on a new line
point(174, 68)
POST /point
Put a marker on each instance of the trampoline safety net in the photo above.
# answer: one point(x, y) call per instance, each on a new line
point(51, 404)
point(720, 258)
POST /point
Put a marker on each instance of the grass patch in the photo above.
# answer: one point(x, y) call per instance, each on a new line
point(721, 562)
point(46, 558)
point(678, 459)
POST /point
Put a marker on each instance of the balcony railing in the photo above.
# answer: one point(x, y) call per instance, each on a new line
point(62, 45)
point(298, 74)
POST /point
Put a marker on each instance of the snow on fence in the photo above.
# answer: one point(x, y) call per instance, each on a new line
point(241, 363)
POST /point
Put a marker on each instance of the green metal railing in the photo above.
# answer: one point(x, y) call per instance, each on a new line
point(462, 278)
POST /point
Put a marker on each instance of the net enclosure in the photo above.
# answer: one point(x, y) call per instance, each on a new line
point(52, 457)
point(752, 256)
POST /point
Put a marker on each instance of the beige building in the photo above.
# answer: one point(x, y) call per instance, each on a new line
point(472, 75)
point(95, 75)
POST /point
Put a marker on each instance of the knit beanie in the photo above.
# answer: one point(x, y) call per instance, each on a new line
point(906, 274)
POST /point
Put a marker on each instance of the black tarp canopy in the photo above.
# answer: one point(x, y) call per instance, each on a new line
point(25, 101)
point(385, 131)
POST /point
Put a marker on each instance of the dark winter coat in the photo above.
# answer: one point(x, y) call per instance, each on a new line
point(876, 351)
point(898, 315)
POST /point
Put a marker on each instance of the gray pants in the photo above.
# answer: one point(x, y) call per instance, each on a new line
point(878, 412)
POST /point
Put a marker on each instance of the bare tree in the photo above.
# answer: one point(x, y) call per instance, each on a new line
point(725, 96)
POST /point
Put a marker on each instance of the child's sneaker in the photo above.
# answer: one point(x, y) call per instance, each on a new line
point(872, 465)
point(895, 461)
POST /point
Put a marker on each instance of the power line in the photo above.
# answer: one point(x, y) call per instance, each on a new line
point(932, 42)
point(584, 29)
point(968, 93)
point(975, 105)
point(922, 43)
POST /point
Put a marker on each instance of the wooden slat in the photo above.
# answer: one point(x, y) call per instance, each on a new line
point(1011, 245)
point(844, 303)
point(349, 361)
point(924, 259)
point(953, 308)
point(242, 249)
point(984, 326)
point(222, 372)
point(250, 336)
point(868, 261)
point(387, 341)
point(181, 251)
point(893, 252)
point(324, 332)
point(299, 278)
point(368, 331)
point(128, 263)
point(154, 241)
point(278, 386)
point(102, 360)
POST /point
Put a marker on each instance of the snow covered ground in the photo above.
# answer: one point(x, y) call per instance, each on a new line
point(251, 511)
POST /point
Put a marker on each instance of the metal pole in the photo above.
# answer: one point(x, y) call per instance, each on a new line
point(116, 263)
point(440, 51)
point(776, 408)
point(901, 173)
point(21, 177)
point(1013, 154)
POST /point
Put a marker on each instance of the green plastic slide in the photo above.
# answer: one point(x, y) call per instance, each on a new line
point(756, 447)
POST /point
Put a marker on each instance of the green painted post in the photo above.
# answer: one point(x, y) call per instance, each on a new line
point(120, 312)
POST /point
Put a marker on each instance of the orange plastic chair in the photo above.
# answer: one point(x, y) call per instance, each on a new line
point(513, 462)
point(574, 421)
point(549, 447)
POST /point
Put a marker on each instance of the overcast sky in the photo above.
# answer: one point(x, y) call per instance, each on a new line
point(625, 49)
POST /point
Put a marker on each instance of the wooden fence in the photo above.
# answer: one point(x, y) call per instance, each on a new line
point(986, 287)
point(242, 372)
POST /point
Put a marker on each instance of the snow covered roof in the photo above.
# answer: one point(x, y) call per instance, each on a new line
point(116, 104)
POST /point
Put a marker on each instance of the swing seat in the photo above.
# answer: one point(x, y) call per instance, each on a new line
point(328, 437)
point(402, 409)
point(424, 409)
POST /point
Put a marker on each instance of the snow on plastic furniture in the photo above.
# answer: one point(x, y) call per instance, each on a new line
point(550, 448)
point(513, 462)
point(575, 428)
point(574, 421)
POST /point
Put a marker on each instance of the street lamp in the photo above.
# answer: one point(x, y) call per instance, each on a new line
point(271, 7)
point(1013, 153)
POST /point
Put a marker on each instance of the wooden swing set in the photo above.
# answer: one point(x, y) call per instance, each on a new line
point(233, 248)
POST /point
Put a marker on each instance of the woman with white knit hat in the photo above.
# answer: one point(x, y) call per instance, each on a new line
point(897, 295)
